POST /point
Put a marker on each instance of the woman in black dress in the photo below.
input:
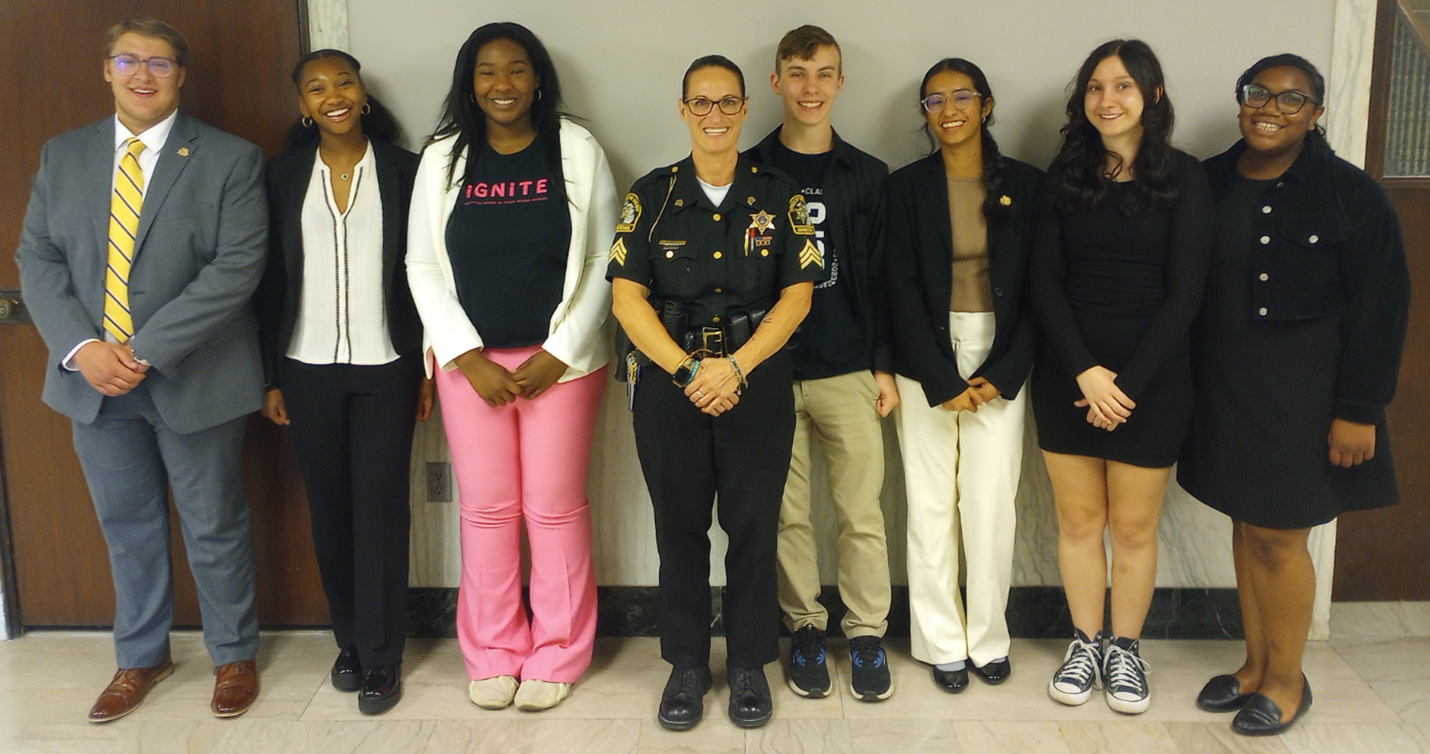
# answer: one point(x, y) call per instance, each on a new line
point(1117, 276)
point(1296, 354)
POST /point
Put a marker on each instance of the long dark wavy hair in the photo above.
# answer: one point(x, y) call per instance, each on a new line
point(1077, 177)
point(464, 120)
point(993, 211)
point(1286, 59)
point(377, 123)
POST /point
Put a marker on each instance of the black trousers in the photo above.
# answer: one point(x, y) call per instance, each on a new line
point(689, 458)
point(352, 427)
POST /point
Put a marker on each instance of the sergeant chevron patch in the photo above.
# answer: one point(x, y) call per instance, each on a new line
point(618, 252)
point(807, 256)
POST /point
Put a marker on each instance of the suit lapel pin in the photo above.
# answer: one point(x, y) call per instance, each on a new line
point(183, 151)
point(1005, 200)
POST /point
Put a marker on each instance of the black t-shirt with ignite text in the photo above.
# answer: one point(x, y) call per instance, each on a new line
point(508, 239)
point(829, 342)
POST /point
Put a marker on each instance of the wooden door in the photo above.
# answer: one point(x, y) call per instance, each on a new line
point(1380, 555)
point(57, 569)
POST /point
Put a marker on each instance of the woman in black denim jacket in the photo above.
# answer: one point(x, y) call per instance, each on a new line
point(1295, 357)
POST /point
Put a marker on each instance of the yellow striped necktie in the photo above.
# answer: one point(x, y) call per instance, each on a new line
point(124, 209)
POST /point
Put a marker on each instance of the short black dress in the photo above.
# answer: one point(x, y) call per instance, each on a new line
point(1121, 291)
point(1266, 387)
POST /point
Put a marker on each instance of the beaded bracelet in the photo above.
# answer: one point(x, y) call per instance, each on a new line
point(740, 373)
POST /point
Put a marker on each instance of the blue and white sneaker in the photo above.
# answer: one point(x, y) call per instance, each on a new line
point(1125, 673)
point(808, 671)
point(870, 678)
point(1081, 671)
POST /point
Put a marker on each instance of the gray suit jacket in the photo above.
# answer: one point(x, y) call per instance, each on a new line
point(199, 255)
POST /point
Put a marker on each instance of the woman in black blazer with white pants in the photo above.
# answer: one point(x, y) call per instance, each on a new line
point(958, 233)
point(341, 354)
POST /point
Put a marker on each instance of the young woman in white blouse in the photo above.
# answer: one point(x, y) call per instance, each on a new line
point(341, 353)
point(511, 217)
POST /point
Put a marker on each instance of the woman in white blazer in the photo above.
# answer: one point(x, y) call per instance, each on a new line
point(506, 252)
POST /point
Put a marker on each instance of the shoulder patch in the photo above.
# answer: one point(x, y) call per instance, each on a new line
point(630, 214)
point(799, 217)
point(810, 255)
point(618, 252)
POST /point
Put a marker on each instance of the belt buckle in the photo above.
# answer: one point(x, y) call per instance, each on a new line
point(712, 339)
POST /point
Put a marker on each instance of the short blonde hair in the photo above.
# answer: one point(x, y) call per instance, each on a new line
point(148, 26)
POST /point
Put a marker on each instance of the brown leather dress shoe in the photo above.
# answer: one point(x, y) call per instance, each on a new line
point(124, 694)
point(235, 688)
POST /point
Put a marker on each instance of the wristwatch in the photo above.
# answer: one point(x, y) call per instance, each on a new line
point(684, 373)
point(139, 358)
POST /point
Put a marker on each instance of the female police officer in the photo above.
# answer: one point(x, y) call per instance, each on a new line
point(712, 268)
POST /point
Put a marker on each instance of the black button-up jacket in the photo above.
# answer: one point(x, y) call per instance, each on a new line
point(1326, 240)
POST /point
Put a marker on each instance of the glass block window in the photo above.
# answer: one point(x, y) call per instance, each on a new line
point(1407, 143)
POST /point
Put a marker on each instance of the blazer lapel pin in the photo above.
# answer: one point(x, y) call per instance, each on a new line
point(183, 151)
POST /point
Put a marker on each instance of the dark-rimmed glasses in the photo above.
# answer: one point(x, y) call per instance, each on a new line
point(962, 99)
point(1288, 102)
point(129, 65)
point(728, 105)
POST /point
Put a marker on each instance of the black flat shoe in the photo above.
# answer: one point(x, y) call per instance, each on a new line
point(750, 702)
point(1262, 717)
point(995, 672)
point(1222, 694)
point(381, 689)
point(347, 670)
point(682, 704)
point(952, 681)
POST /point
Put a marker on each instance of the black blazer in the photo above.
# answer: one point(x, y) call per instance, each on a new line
point(918, 252)
point(278, 294)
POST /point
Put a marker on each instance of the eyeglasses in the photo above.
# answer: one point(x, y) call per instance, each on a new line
point(129, 65)
point(1288, 102)
point(728, 105)
point(962, 99)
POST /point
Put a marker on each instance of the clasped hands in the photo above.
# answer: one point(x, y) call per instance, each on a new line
point(109, 368)
point(1107, 406)
point(979, 392)
point(716, 387)
point(498, 387)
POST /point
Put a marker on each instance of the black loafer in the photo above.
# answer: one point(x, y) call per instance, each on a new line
point(750, 702)
point(995, 672)
point(682, 704)
point(952, 681)
point(347, 670)
point(1262, 717)
point(1222, 694)
point(381, 689)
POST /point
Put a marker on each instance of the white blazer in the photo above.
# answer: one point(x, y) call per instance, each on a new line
point(578, 334)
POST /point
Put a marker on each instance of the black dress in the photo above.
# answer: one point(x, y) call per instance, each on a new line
point(1268, 363)
point(1121, 291)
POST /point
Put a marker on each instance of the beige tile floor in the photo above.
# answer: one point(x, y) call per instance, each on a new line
point(1372, 686)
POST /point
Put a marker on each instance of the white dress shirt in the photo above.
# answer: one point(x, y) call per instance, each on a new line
point(341, 316)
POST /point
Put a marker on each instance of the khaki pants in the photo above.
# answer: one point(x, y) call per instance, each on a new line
point(840, 411)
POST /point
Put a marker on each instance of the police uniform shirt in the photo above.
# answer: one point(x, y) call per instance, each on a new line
point(715, 260)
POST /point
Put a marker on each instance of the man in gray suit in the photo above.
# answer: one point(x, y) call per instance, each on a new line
point(143, 242)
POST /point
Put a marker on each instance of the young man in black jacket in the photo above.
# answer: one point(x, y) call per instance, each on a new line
point(843, 368)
